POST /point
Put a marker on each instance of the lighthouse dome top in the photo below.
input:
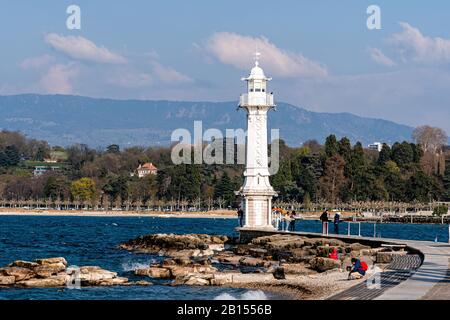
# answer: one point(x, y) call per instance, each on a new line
point(257, 73)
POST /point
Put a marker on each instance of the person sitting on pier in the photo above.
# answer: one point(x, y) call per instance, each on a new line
point(359, 269)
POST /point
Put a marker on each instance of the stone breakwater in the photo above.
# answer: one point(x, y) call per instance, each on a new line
point(54, 272)
point(286, 261)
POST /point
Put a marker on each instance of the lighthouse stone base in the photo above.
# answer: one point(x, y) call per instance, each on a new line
point(258, 209)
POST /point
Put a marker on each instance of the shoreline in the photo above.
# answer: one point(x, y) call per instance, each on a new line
point(120, 214)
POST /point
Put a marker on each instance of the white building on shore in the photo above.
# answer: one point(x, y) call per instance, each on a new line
point(376, 146)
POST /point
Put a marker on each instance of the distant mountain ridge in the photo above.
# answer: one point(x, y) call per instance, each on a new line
point(65, 120)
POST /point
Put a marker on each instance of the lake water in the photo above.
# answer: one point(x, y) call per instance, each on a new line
point(94, 240)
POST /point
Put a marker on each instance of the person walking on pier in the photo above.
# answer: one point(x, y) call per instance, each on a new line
point(324, 219)
point(336, 221)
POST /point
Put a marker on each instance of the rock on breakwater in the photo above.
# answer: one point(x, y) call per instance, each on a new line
point(289, 261)
point(55, 272)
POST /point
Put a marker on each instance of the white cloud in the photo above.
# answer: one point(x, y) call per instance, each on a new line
point(413, 96)
point(80, 48)
point(58, 78)
point(238, 50)
point(36, 62)
point(414, 46)
point(169, 75)
point(379, 57)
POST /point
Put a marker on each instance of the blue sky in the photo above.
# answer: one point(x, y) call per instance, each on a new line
point(320, 53)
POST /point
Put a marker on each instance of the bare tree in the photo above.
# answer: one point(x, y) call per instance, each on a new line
point(220, 202)
point(333, 178)
point(431, 139)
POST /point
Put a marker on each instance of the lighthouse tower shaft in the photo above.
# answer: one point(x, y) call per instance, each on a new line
point(257, 192)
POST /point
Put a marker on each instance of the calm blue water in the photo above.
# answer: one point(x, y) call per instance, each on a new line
point(93, 241)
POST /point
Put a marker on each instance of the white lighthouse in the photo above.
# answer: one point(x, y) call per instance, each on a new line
point(257, 192)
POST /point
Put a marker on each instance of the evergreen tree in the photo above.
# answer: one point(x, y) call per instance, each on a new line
point(420, 187)
point(331, 146)
point(394, 182)
point(384, 155)
point(12, 155)
point(283, 176)
point(345, 149)
point(358, 159)
point(355, 171)
point(224, 189)
point(116, 186)
point(4, 161)
point(56, 187)
point(404, 155)
point(192, 182)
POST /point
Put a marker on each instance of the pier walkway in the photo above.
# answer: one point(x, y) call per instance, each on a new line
point(422, 275)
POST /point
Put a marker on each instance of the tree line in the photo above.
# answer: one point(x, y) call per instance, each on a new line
point(334, 173)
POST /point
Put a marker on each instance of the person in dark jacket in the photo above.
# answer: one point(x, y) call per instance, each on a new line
point(357, 271)
point(336, 221)
point(241, 217)
point(324, 219)
point(292, 221)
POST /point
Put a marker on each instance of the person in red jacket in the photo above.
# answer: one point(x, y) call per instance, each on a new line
point(334, 255)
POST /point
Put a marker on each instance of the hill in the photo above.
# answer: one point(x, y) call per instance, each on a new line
point(64, 120)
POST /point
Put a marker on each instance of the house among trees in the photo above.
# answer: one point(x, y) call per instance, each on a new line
point(40, 170)
point(146, 169)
